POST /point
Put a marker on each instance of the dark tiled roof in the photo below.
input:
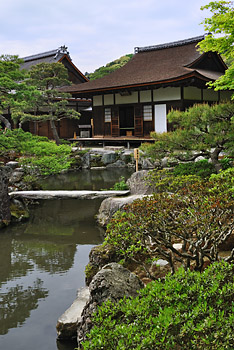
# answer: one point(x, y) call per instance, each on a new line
point(169, 45)
point(47, 57)
point(152, 65)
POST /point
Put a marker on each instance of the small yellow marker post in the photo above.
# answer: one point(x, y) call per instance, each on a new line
point(136, 156)
point(74, 136)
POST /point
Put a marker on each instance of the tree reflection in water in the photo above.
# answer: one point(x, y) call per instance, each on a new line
point(17, 303)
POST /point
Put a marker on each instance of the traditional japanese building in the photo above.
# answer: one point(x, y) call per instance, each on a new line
point(134, 100)
point(67, 127)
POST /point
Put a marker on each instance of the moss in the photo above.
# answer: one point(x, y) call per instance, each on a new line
point(90, 272)
point(99, 256)
point(18, 213)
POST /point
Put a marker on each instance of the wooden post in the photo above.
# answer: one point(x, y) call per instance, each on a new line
point(74, 136)
point(92, 128)
point(136, 156)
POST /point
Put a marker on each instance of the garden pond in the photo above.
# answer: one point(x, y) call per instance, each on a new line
point(42, 261)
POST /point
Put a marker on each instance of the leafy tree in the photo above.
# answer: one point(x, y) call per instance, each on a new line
point(220, 27)
point(50, 103)
point(189, 311)
point(15, 94)
point(202, 130)
point(109, 67)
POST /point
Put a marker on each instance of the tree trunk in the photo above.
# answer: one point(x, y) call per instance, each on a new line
point(215, 159)
point(5, 121)
point(55, 132)
point(5, 214)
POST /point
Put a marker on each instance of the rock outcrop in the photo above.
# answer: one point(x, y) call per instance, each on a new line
point(138, 184)
point(67, 323)
point(138, 187)
point(110, 206)
point(112, 282)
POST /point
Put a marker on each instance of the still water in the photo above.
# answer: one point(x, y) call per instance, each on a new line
point(42, 262)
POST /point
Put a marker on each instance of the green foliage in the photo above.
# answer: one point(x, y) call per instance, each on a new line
point(196, 213)
point(166, 181)
point(201, 168)
point(109, 68)
point(50, 103)
point(220, 27)
point(36, 154)
point(46, 165)
point(226, 163)
point(121, 185)
point(223, 182)
point(15, 94)
point(189, 311)
point(202, 130)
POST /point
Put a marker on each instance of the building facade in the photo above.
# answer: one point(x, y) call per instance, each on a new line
point(135, 100)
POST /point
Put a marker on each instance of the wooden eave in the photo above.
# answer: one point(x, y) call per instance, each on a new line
point(203, 56)
point(72, 64)
point(157, 84)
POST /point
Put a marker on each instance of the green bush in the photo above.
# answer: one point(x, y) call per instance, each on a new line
point(189, 311)
point(226, 163)
point(201, 168)
point(121, 185)
point(223, 182)
point(37, 154)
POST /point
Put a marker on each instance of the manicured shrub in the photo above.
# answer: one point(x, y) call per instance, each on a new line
point(201, 168)
point(36, 154)
point(199, 217)
point(187, 310)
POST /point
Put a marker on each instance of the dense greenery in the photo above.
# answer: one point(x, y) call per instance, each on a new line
point(109, 67)
point(220, 27)
point(187, 310)
point(36, 154)
point(15, 95)
point(50, 104)
point(193, 307)
point(202, 130)
point(121, 185)
point(199, 216)
point(34, 94)
point(201, 168)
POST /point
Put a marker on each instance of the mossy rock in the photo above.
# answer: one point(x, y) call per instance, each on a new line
point(99, 256)
point(18, 213)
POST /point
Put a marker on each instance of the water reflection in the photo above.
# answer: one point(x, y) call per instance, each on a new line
point(17, 303)
point(45, 246)
point(93, 180)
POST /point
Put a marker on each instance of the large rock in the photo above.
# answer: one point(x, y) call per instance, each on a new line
point(5, 214)
point(109, 157)
point(67, 323)
point(99, 256)
point(86, 161)
point(16, 176)
point(146, 164)
point(112, 282)
point(110, 205)
point(138, 184)
point(118, 164)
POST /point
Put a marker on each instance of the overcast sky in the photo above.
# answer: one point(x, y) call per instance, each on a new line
point(95, 31)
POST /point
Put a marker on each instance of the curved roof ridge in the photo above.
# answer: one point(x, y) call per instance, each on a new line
point(169, 45)
point(61, 50)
